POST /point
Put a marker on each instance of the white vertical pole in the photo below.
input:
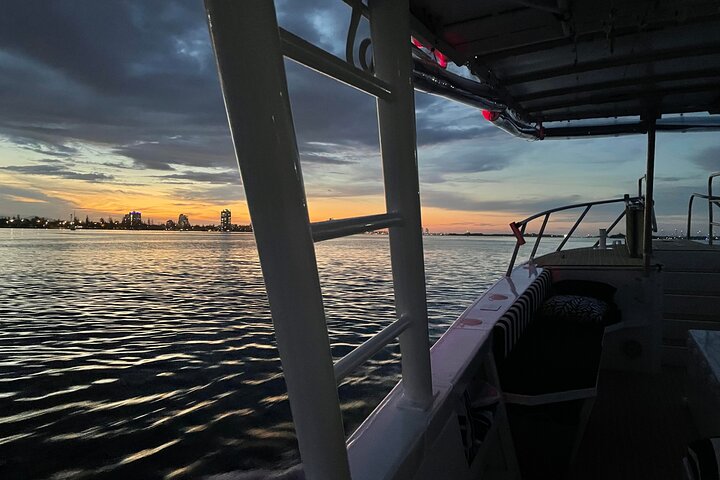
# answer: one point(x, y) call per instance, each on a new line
point(390, 30)
point(252, 73)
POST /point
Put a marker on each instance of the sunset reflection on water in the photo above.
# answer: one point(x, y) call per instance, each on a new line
point(151, 354)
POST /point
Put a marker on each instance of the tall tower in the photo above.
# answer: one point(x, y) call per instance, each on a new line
point(183, 222)
point(225, 224)
point(135, 219)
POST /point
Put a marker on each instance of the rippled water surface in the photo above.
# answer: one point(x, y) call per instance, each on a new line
point(151, 354)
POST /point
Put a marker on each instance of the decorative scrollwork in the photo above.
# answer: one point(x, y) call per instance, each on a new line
point(365, 44)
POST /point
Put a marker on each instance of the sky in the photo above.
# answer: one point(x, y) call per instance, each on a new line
point(114, 106)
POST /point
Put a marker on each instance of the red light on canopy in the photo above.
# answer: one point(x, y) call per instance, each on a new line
point(442, 60)
point(416, 42)
point(490, 116)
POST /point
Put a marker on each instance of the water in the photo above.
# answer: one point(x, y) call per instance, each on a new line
point(151, 354)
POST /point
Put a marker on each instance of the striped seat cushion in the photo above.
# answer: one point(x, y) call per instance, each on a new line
point(508, 329)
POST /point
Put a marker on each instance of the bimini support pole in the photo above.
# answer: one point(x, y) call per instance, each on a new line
point(256, 99)
point(390, 32)
point(649, 184)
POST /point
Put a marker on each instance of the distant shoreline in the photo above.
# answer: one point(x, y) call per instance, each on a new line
point(216, 230)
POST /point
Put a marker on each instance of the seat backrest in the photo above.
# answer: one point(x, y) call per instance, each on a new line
point(508, 329)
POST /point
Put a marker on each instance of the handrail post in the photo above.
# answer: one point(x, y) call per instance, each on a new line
point(689, 223)
point(515, 251)
point(612, 225)
point(710, 206)
point(540, 234)
point(574, 227)
point(390, 33)
point(649, 184)
point(263, 134)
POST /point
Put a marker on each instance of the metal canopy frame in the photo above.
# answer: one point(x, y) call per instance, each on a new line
point(552, 61)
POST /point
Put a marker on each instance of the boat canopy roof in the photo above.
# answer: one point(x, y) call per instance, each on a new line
point(566, 60)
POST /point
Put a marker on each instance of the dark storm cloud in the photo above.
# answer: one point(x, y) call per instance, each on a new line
point(59, 171)
point(113, 73)
point(163, 153)
point(139, 79)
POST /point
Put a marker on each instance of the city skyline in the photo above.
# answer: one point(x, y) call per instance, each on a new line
point(133, 216)
point(132, 220)
point(128, 115)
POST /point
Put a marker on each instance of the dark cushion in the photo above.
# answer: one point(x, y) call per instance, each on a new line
point(574, 309)
point(586, 288)
point(553, 357)
point(704, 459)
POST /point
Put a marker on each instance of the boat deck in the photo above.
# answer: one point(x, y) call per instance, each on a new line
point(618, 256)
point(586, 257)
point(639, 428)
point(684, 245)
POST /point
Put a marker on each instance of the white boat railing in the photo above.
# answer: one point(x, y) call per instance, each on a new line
point(713, 200)
point(351, 226)
point(256, 99)
point(519, 228)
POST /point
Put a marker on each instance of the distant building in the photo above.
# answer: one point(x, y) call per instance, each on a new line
point(169, 225)
point(132, 220)
point(225, 224)
point(183, 222)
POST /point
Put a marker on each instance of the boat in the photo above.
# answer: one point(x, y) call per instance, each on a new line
point(597, 362)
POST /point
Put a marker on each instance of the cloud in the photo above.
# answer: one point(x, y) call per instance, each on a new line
point(165, 153)
point(222, 177)
point(59, 171)
point(323, 158)
point(458, 201)
point(708, 159)
point(433, 135)
point(462, 160)
point(440, 121)
point(18, 198)
point(216, 195)
point(90, 90)
point(111, 73)
point(53, 150)
point(27, 201)
point(670, 179)
point(329, 153)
